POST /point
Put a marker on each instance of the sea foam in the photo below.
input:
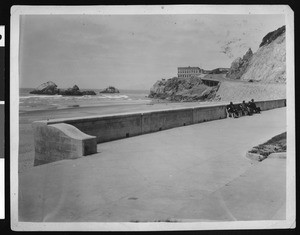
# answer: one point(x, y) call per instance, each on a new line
point(41, 96)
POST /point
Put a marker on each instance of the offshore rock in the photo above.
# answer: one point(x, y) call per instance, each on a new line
point(50, 88)
point(75, 91)
point(88, 92)
point(110, 89)
point(47, 88)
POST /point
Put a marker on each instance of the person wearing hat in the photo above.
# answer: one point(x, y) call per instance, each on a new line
point(245, 108)
point(253, 107)
point(232, 110)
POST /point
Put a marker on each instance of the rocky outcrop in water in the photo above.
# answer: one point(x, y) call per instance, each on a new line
point(47, 88)
point(110, 89)
point(50, 88)
point(75, 91)
point(182, 89)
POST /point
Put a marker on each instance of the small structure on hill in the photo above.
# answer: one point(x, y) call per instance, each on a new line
point(210, 81)
point(219, 71)
point(187, 72)
point(213, 79)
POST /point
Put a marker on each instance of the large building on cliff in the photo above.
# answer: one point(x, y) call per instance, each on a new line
point(187, 72)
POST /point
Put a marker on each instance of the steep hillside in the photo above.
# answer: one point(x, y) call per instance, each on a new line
point(272, 36)
point(239, 91)
point(267, 65)
point(260, 76)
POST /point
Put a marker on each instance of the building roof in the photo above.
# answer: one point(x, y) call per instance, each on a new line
point(188, 67)
point(214, 77)
point(211, 79)
point(222, 68)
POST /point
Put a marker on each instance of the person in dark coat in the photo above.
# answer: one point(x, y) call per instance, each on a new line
point(238, 109)
point(252, 106)
point(245, 108)
point(231, 110)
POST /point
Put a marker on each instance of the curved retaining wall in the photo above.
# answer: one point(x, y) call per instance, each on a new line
point(60, 141)
point(112, 127)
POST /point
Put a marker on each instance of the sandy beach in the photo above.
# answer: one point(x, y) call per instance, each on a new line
point(26, 142)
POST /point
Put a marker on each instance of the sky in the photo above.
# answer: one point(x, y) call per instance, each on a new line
point(132, 51)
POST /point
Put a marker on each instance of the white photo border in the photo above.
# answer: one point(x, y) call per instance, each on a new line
point(17, 11)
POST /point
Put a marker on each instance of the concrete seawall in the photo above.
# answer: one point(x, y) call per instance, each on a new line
point(60, 141)
point(112, 127)
point(271, 104)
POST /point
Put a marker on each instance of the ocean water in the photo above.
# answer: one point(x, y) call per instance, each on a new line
point(30, 102)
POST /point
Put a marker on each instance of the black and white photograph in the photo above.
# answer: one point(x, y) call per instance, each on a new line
point(127, 118)
point(2, 123)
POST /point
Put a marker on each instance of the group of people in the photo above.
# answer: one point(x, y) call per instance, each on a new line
point(237, 110)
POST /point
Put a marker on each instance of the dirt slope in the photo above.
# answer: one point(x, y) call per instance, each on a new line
point(239, 91)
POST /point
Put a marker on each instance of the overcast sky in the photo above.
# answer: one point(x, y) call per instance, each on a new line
point(132, 51)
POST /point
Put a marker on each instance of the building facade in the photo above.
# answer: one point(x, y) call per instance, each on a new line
point(187, 72)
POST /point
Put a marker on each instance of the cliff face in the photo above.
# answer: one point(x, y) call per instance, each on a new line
point(267, 65)
point(182, 89)
point(239, 65)
point(47, 88)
